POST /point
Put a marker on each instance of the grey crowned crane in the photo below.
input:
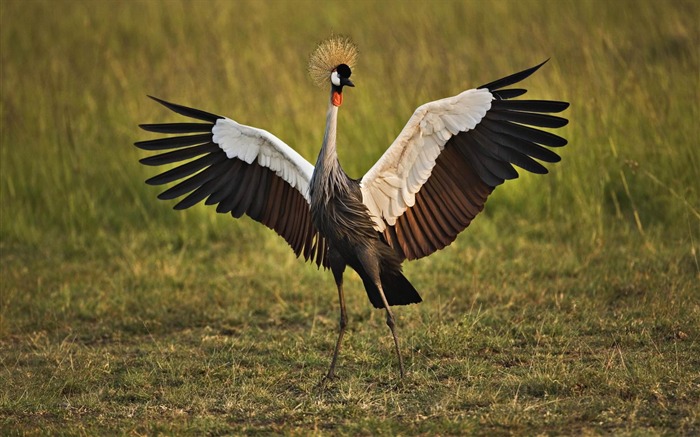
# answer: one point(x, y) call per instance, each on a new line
point(426, 188)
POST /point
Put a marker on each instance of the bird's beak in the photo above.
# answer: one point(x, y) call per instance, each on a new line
point(346, 82)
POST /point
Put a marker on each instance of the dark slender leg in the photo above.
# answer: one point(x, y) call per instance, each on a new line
point(391, 324)
point(370, 262)
point(341, 332)
point(338, 267)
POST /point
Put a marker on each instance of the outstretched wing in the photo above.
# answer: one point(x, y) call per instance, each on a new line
point(240, 169)
point(435, 177)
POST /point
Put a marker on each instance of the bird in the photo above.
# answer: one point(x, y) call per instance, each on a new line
point(423, 191)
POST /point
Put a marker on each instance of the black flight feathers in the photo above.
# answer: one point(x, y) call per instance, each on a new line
point(525, 105)
point(513, 78)
point(509, 133)
point(188, 112)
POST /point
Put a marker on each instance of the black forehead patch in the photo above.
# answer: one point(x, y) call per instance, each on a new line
point(343, 70)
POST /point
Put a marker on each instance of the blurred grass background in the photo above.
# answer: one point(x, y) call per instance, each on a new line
point(607, 241)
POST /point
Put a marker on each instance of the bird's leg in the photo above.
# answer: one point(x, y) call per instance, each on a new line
point(343, 323)
point(370, 262)
point(338, 267)
point(390, 322)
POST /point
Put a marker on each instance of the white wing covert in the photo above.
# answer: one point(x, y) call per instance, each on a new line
point(251, 144)
point(242, 170)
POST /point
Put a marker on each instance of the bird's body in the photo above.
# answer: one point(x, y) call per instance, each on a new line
point(344, 221)
point(425, 189)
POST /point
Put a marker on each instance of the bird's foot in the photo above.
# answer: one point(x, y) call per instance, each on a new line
point(330, 376)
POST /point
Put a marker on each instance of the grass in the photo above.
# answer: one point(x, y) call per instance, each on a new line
point(570, 306)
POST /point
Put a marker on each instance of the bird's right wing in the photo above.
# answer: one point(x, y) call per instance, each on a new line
point(435, 177)
point(242, 170)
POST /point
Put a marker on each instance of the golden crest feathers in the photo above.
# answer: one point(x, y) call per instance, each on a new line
point(329, 54)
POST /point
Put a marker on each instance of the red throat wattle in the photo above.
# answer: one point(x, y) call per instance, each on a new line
point(337, 98)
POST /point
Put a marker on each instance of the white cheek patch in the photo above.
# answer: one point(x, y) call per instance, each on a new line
point(335, 79)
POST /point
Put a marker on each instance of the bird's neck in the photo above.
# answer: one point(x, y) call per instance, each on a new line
point(329, 177)
point(328, 157)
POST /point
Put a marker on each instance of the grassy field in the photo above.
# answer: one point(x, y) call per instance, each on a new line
point(570, 306)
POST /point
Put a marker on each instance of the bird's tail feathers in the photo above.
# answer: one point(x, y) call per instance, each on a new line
point(397, 289)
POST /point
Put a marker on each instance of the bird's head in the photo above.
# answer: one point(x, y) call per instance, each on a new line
point(340, 77)
point(332, 63)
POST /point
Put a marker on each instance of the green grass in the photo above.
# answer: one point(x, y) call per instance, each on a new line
point(570, 306)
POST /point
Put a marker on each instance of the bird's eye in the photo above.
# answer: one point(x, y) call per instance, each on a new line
point(335, 78)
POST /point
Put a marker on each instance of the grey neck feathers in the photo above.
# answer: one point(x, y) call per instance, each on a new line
point(328, 178)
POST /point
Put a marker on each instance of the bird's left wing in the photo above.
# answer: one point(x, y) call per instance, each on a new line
point(435, 177)
point(240, 169)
